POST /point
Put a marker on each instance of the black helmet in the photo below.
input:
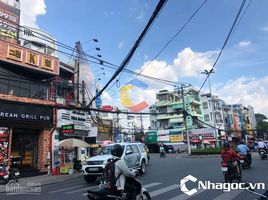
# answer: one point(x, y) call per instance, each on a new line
point(226, 145)
point(117, 150)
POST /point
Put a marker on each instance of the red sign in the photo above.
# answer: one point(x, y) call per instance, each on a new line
point(107, 108)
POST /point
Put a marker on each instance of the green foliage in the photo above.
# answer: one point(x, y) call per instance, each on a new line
point(262, 126)
point(208, 151)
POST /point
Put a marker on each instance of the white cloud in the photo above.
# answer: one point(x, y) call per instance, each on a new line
point(30, 10)
point(141, 15)
point(121, 45)
point(247, 91)
point(265, 28)
point(243, 43)
point(190, 64)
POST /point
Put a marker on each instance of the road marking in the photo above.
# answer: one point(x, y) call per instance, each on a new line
point(163, 190)
point(82, 189)
point(151, 185)
point(185, 196)
point(67, 188)
point(228, 195)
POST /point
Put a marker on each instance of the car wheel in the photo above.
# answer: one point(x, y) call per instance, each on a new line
point(143, 167)
point(90, 179)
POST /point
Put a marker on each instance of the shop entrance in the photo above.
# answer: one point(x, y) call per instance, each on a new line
point(25, 145)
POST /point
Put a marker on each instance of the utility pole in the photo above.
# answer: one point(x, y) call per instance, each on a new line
point(212, 103)
point(185, 121)
point(77, 69)
point(83, 95)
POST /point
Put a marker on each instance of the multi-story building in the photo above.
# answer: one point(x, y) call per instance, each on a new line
point(33, 83)
point(214, 113)
point(169, 122)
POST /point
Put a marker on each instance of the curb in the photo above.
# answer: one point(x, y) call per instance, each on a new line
point(201, 156)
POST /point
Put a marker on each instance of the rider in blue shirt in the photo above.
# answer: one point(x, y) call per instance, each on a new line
point(242, 149)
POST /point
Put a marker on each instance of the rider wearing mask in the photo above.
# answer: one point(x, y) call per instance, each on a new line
point(125, 176)
point(229, 155)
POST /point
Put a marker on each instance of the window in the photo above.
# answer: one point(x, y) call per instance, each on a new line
point(141, 148)
point(206, 118)
point(128, 148)
point(205, 105)
point(135, 148)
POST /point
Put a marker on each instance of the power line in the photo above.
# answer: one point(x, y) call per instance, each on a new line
point(224, 44)
point(133, 49)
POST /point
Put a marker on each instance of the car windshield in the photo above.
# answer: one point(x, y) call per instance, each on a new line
point(107, 150)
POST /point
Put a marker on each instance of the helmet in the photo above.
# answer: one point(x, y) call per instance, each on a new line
point(226, 145)
point(117, 150)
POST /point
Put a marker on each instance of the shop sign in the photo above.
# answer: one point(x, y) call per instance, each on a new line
point(176, 138)
point(105, 126)
point(80, 119)
point(9, 21)
point(67, 129)
point(29, 58)
point(204, 133)
point(25, 113)
point(151, 137)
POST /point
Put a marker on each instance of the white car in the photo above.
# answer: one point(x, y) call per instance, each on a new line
point(133, 153)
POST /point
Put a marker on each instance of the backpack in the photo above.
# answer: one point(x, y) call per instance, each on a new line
point(108, 179)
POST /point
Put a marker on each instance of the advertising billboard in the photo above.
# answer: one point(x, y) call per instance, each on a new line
point(9, 22)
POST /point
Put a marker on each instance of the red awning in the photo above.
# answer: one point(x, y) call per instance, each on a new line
point(195, 141)
point(209, 140)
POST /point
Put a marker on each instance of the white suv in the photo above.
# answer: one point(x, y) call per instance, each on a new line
point(133, 153)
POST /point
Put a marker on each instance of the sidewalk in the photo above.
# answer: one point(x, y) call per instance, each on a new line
point(43, 180)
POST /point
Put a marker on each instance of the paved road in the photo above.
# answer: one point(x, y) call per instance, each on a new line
point(162, 180)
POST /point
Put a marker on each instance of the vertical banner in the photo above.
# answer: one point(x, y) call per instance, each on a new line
point(4, 141)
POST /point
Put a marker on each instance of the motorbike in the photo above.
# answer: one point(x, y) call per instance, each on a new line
point(245, 161)
point(7, 174)
point(162, 154)
point(230, 173)
point(103, 195)
point(263, 154)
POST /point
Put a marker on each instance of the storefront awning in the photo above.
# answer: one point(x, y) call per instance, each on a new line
point(209, 141)
point(195, 141)
point(73, 143)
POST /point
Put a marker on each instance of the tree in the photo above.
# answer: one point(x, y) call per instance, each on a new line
point(262, 126)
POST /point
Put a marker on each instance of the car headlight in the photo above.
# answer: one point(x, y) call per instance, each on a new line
point(104, 162)
point(84, 162)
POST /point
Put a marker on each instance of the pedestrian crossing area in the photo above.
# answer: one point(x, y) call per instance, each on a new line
point(157, 190)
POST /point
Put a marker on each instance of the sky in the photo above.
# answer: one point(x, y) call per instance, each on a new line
point(241, 75)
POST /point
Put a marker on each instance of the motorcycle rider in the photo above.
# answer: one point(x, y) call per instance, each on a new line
point(244, 150)
point(229, 155)
point(124, 174)
point(161, 148)
point(262, 145)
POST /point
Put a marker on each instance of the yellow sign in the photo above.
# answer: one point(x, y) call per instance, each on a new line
point(14, 53)
point(32, 58)
point(47, 64)
point(176, 138)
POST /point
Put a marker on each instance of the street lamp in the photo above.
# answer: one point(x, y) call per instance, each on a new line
point(206, 72)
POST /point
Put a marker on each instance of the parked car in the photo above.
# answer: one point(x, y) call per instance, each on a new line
point(133, 153)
